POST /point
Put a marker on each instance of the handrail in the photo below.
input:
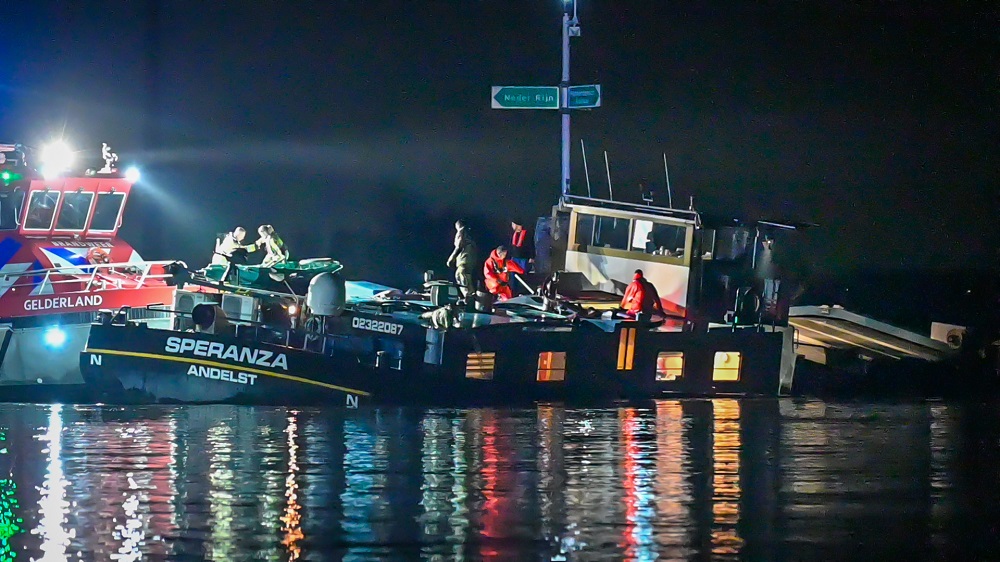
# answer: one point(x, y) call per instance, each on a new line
point(683, 214)
point(89, 274)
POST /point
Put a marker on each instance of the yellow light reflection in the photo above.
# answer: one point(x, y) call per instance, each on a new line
point(673, 491)
point(53, 507)
point(726, 445)
point(220, 493)
point(292, 519)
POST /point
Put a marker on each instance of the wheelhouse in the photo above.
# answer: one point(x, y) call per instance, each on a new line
point(609, 240)
point(79, 208)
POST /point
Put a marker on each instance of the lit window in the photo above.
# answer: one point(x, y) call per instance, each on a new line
point(669, 365)
point(480, 366)
point(552, 366)
point(626, 349)
point(727, 366)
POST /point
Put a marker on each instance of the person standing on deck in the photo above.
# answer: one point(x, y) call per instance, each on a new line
point(520, 246)
point(462, 258)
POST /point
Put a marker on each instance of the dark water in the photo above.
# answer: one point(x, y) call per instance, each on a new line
point(685, 480)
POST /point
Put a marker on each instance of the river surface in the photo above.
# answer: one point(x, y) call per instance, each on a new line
point(669, 480)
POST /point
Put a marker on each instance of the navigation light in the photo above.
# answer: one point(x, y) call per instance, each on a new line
point(132, 174)
point(54, 337)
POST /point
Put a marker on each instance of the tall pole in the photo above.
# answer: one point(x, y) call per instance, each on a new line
point(564, 106)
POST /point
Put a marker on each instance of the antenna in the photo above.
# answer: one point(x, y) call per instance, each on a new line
point(666, 172)
point(585, 169)
point(607, 167)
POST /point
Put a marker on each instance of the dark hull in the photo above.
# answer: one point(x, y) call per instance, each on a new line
point(503, 364)
point(132, 364)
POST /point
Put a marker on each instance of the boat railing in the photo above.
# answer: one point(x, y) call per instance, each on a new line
point(136, 274)
point(683, 214)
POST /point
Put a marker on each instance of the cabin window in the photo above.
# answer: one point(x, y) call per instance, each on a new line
point(480, 365)
point(660, 239)
point(74, 211)
point(552, 366)
point(727, 366)
point(611, 232)
point(584, 229)
point(41, 210)
point(669, 365)
point(626, 349)
point(106, 211)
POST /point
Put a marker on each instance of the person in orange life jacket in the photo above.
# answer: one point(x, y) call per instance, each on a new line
point(497, 270)
point(520, 246)
point(641, 296)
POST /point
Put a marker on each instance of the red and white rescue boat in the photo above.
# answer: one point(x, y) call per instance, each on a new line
point(61, 261)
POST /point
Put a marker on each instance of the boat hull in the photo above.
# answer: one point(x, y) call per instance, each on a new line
point(130, 364)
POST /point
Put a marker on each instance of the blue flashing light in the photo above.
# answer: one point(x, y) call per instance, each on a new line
point(54, 337)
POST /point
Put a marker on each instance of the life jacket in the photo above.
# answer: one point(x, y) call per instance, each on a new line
point(517, 246)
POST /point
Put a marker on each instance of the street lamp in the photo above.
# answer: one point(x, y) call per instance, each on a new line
point(570, 28)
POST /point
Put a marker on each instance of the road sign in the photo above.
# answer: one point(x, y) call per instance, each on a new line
point(525, 97)
point(581, 97)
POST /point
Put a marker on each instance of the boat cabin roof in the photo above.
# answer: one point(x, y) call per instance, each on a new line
point(624, 209)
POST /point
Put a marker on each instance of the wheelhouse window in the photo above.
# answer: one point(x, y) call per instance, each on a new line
point(726, 367)
point(41, 210)
point(659, 239)
point(106, 212)
point(669, 365)
point(602, 232)
point(74, 211)
point(551, 366)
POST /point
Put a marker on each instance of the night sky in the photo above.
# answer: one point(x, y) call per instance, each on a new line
point(360, 130)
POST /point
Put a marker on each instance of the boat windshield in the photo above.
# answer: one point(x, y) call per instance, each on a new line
point(106, 212)
point(74, 211)
point(41, 210)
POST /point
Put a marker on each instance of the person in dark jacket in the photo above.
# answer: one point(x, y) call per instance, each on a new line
point(521, 246)
point(463, 257)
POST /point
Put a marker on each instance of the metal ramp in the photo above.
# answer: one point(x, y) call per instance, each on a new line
point(824, 328)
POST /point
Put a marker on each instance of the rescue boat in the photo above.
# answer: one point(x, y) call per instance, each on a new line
point(61, 261)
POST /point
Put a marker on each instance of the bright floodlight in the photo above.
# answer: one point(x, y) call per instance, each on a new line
point(55, 337)
point(132, 174)
point(57, 157)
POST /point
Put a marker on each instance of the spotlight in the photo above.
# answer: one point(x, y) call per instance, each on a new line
point(54, 337)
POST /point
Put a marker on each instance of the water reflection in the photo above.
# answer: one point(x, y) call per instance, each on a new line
point(671, 480)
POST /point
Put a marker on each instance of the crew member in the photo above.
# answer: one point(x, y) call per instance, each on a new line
point(462, 257)
point(498, 270)
point(231, 247)
point(641, 297)
point(520, 246)
point(269, 240)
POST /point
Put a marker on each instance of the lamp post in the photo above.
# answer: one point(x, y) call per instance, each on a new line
point(570, 28)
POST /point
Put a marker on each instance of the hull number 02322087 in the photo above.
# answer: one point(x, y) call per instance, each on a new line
point(377, 326)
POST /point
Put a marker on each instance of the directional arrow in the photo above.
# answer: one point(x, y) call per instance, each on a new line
point(525, 97)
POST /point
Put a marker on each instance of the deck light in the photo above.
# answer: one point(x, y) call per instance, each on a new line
point(56, 158)
point(132, 174)
point(54, 337)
